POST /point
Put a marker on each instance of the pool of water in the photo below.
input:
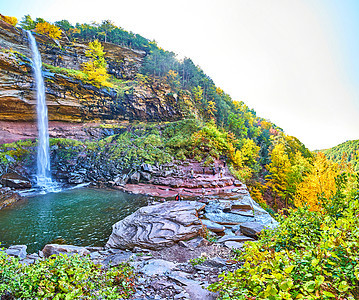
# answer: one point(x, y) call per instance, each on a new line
point(81, 217)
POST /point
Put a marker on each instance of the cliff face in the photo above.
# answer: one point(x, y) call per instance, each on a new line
point(69, 99)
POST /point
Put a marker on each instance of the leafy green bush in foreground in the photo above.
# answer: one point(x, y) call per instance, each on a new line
point(64, 277)
point(311, 255)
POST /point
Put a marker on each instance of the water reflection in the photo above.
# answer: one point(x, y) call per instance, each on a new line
point(81, 217)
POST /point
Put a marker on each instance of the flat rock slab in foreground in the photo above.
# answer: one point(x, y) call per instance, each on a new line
point(157, 226)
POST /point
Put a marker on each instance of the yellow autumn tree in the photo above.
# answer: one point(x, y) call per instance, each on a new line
point(211, 109)
point(197, 93)
point(320, 181)
point(280, 170)
point(48, 29)
point(95, 68)
point(173, 79)
point(10, 20)
point(245, 159)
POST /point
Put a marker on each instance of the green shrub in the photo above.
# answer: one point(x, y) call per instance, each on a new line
point(310, 256)
point(64, 277)
point(198, 260)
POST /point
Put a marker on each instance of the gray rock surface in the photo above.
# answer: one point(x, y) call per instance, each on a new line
point(233, 245)
point(118, 258)
point(236, 238)
point(198, 292)
point(157, 267)
point(252, 229)
point(238, 209)
point(17, 251)
point(215, 227)
point(157, 226)
point(15, 180)
point(51, 249)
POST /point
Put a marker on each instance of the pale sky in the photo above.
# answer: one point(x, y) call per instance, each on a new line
point(295, 62)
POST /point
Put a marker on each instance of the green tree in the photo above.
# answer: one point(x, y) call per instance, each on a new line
point(105, 28)
point(28, 23)
point(64, 24)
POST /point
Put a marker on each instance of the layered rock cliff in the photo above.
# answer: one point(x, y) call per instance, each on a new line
point(69, 99)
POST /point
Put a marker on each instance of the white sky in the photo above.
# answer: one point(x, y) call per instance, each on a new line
point(289, 60)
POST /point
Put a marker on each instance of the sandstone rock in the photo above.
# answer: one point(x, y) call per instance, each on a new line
point(135, 177)
point(235, 238)
point(122, 180)
point(8, 197)
point(227, 218)
point(15, 180)
point(118, 258)
point(17, 251)
point(157, 267)
point(147, 168)
point(237, 183)
point(215, 262)
point(233, 244)
point(215, 227)
point(55, 249)
point(75, 178)
point(197, 242)
point(181, 279)
point(157, 226)
point(239, 208)
point(252, 229)
point(198, 292)
point(145, 176)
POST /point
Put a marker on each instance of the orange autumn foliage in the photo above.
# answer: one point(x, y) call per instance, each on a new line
point(10, 20)
point(48, 29)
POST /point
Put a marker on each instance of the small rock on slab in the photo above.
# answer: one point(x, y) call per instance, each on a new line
point(236, 238)
point(181, 280)
point(197, 242)
point(197, 292)
point(51, 249)
point(17, 251)
point(215, 262)
point(252, 229)
point(118, 258)
point(212, 226)
point(157, 267)
point(232, 244)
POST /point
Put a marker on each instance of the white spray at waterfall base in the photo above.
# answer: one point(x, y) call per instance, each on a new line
point(43, 175)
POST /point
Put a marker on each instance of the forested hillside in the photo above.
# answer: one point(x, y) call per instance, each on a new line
point(347, 152)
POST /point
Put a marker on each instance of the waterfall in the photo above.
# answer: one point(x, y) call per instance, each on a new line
point(43, 175)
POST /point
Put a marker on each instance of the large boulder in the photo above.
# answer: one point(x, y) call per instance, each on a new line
point(157, 226)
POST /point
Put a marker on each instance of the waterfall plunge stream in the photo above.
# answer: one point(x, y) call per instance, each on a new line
point(43, 176)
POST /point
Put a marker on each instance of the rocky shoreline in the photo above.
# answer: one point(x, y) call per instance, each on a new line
point(168, 244)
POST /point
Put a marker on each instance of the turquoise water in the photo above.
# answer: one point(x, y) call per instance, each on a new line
point(81, 217)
